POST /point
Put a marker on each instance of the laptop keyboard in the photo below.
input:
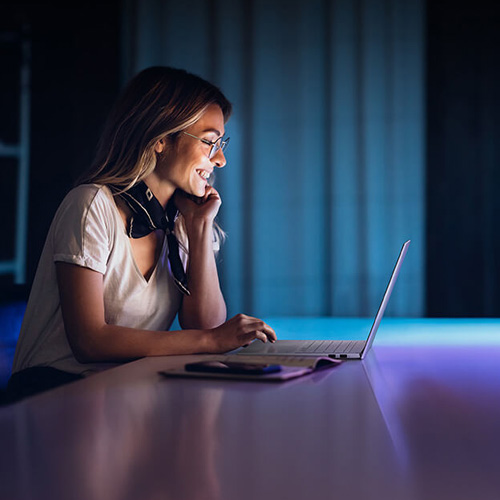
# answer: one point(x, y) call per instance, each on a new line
point(333, 346)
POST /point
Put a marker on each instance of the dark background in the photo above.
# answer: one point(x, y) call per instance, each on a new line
point(76, 74)
point(463, 158)
point(75, 78)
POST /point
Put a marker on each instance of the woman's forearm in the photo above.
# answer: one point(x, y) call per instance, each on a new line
point(118, 343)
point(205, 307)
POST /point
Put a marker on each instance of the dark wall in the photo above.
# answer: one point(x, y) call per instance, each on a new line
point(75, 78)
point(463, 158)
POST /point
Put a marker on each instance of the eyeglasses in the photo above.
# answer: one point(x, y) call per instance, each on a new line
point(216, 145)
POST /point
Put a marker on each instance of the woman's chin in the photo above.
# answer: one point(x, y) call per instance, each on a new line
point(199, 191)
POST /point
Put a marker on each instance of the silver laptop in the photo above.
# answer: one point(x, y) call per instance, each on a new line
point(340, 349)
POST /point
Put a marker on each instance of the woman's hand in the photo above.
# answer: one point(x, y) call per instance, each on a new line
point(192, 207)
point(239, 331)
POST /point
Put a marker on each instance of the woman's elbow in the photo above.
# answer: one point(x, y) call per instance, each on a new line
point(85, 349)
point(84, 354)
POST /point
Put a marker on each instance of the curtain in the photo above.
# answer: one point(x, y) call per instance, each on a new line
point(325, 172)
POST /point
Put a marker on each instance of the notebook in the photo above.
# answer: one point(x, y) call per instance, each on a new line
point(236, 367)
point(338, 349)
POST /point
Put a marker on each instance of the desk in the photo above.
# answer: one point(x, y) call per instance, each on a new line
point(419, 418)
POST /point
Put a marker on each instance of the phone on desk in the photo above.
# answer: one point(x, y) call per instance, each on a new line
point(231, 367)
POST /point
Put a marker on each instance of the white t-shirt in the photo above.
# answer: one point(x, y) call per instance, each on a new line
point(88, 231)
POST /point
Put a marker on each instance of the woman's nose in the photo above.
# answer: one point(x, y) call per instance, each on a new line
point(219, 160)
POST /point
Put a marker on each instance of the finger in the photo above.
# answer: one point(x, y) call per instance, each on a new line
point(261, 336)
point(247, 338)
point(271, 334)
point(249, 324)
point(254, 335)
point(209, 190)
point(212, 198)
point(266, 330)
point(211, 194)
point(246, 324)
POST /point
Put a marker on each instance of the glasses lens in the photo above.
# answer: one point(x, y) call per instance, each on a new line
point(215, 147)
point(219, 144)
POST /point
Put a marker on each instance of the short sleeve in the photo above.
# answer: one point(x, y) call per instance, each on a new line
point(81, 230)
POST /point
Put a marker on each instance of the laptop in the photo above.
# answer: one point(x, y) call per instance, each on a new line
point(339, 349)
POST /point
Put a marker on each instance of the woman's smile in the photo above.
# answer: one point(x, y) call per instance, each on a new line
point(204, 174)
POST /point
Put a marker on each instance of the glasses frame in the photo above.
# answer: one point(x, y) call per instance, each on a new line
point(214, 147)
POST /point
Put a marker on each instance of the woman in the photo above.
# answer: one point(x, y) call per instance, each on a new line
point(133, 244)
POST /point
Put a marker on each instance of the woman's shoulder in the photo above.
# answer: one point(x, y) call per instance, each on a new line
point(88, 195)
point(90, 192)
point(84, 200)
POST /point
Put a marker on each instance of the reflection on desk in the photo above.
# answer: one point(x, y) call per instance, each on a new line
point(442, 407)
point(415, 421)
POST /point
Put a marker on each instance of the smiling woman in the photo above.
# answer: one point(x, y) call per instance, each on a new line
point(132, 245)
point(186, 164)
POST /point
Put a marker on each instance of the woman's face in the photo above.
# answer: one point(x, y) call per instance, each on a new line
point(186, 165)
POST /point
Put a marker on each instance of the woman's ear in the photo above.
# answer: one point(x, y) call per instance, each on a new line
point(160, 146)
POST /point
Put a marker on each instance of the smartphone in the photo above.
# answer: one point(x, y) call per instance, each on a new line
point(231, 367)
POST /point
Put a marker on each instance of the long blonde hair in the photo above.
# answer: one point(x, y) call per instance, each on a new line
point(158, 102)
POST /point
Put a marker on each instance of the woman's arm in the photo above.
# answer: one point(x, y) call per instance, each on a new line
point(92, 339)
point(205, 307)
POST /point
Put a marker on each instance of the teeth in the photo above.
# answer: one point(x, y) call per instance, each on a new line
point(204, 174)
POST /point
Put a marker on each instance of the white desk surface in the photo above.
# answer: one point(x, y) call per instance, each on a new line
point(419, 418)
